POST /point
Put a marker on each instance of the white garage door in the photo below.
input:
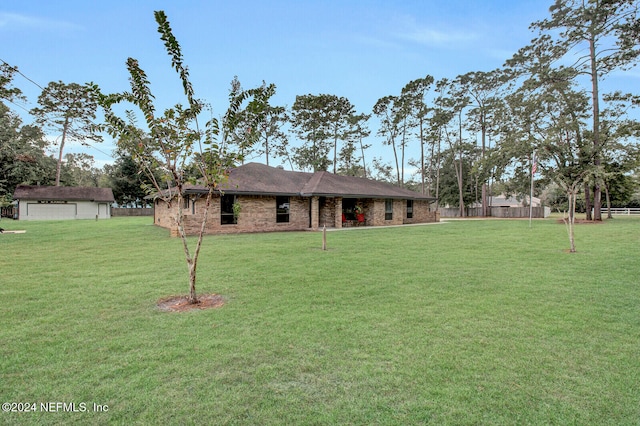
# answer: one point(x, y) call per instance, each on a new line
point(51, 211)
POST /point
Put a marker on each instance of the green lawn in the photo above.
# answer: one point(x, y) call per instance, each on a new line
point(467, 322)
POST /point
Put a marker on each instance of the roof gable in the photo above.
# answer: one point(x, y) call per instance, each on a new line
point(59, 193)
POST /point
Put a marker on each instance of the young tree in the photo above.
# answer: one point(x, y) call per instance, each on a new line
point(174, 138)
point(71, 110)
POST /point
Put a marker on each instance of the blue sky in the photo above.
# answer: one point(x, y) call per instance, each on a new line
point(362, 50)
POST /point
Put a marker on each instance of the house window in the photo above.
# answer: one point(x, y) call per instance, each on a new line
point(388, 209)
point(282, 209)
point(189, 204)
point(226, 210)
point(409, 209)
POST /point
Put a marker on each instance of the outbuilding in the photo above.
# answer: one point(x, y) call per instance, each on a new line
point(62, 202)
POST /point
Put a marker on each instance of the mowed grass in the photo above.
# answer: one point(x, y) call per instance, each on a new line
point(467, 322)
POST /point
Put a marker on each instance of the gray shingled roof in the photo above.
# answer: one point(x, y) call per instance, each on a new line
point(328, 184)
point(68, 193)
point(260, 179)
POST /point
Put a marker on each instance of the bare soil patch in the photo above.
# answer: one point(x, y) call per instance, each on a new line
point(181, 303)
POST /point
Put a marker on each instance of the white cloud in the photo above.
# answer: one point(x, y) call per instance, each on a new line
point(409, 29)
point(501, 54)
point(18, 21)
point(375, 42)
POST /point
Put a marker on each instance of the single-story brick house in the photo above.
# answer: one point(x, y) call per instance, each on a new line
point(62, 202)
point(274, 199)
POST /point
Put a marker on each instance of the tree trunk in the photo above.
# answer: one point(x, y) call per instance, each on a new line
point(572, 192)
point(438, 171)
point(266, 148)
point(606, 192)
point(402, 146)
point(484, 183)
point(587, 201)
point(430, 170)
point(364, 163)
point(422, 174)
point(335, 153)
point(395, 156)
point(193, 299)
point(187, 254)
point(572, 209)
point(62, 141)
point(459, 173)
point(597, 193)
point(196, 252)
point(192, 261)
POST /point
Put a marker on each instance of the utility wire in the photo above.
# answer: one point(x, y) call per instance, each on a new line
point(20, 72)
point(42, 88)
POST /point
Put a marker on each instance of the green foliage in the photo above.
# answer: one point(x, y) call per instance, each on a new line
point(255, 122)
point(321, 122)
point(237, 209)
point(71, 110)
point(80, 170)
point(22, 159)
point(602, 33)
point(7, 91)
point(449, 193)
point(127, 181)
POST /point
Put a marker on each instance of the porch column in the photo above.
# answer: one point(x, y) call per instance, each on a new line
point(338, 215)
point(315, 213)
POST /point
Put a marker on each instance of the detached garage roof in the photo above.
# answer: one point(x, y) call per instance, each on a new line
point(63, 193)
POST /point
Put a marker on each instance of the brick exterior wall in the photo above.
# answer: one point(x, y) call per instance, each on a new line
point(421, 213)
point(258, 214)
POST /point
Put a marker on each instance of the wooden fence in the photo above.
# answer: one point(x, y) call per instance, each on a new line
point(9, 211)
point(502, 212)
point(119, 211)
